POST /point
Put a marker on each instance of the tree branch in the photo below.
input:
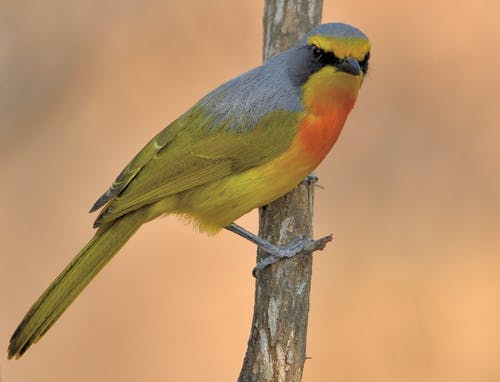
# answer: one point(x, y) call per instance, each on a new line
point(276, 348)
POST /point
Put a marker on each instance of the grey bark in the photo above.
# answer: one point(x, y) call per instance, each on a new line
point(277, 344)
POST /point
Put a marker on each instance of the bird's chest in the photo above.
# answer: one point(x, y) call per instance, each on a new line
point(319, 132)
point(328, 98)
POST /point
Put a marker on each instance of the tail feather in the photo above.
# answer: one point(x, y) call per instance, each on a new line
point(72, 280)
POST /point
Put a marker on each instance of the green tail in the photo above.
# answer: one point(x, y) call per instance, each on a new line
point(72, 280)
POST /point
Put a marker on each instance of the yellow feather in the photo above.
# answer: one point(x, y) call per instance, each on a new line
point(342, 47)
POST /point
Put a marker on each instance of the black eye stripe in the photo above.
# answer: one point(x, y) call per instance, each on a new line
point(364, 63)
point(324, 58)
point(319, 56)
point(329, 59)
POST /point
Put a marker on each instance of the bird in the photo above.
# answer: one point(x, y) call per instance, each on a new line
point(243, 145)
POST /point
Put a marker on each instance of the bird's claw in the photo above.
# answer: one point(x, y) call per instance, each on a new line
point(299, 245)
point(312, 178)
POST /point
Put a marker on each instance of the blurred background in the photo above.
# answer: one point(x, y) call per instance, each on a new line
point(408, 291)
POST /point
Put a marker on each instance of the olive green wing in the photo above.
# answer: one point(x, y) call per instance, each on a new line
point(194, 152)
point(143, 157)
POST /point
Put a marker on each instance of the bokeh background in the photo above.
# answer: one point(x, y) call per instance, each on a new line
point(409, 290)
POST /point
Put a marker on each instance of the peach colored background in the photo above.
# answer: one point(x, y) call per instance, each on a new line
point(409, 291)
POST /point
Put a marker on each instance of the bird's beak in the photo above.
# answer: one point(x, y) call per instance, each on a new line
point(349, 65)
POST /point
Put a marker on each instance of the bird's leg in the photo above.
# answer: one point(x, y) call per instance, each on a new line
point(297, 246)
point(311, 178)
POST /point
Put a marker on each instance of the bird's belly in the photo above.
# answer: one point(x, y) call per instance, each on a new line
point(216, 205)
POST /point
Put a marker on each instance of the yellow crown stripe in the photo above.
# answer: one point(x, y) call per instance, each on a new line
point(342, 47)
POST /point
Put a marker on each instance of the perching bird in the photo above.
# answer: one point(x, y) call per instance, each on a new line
point(243, 145)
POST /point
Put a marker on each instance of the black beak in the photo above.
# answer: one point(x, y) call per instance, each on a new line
point(349, 65)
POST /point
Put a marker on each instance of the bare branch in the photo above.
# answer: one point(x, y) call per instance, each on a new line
point(277, 344)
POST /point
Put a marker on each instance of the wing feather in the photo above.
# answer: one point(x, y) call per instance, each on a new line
point(194, 153)
point(144, 156)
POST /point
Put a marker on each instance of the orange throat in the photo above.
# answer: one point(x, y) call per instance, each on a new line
point(327, 106)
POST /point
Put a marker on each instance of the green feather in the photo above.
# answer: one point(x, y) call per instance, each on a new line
point(72, 280)
point(200, 154)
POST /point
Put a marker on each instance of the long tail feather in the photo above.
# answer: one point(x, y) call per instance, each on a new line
point(72, 280)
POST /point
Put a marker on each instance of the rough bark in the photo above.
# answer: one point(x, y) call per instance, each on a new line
point(277, 344)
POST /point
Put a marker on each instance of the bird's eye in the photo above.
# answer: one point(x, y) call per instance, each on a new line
point(316, 53)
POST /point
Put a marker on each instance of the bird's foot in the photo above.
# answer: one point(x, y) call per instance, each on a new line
point(311, 178)
point(297, 246)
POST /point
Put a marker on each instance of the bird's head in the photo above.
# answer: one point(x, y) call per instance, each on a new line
point(330, 61)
